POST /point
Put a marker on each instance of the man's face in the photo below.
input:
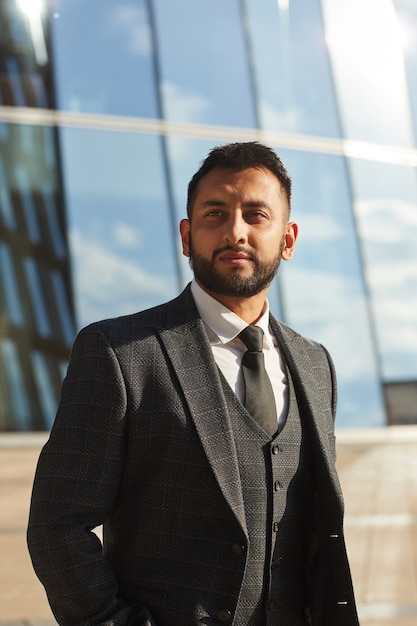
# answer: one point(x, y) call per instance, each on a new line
point(238, 231)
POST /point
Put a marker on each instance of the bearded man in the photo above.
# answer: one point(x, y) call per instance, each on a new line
point(200, 435)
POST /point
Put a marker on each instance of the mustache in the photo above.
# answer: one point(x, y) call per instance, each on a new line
point(237, 249)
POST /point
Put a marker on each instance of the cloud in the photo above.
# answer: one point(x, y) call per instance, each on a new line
point(130, 23)
point(386, 220)
point(331, 309)
point(274, 120)
point(108, 285)
point(183, 104)
point(126, 236)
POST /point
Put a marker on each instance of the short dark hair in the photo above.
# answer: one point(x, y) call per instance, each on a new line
point(238, 157)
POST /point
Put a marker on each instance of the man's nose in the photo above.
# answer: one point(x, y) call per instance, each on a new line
point(236, 230)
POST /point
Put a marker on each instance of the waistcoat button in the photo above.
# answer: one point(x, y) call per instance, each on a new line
point(276, 449)
point(224, 616)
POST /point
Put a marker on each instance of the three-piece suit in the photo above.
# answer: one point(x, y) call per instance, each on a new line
point(206, 519)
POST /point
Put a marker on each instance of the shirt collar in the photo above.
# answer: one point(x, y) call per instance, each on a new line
point(221, 320)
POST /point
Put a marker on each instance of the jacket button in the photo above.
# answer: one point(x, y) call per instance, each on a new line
point(224, 616)
point(276, 449)
point(238, 549)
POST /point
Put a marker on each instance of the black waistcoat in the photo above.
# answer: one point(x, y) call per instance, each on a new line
point(277, 491)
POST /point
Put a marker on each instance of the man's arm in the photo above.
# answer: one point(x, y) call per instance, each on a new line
point(76, 487)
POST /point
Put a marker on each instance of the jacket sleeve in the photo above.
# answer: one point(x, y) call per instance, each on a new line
point(76, 486)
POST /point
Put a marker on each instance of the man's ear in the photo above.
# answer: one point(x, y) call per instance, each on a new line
point(185, 236)
point(290, 238)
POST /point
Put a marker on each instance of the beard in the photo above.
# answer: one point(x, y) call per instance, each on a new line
point(234, 284)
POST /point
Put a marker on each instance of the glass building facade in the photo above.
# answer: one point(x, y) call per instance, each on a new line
point(107, 109)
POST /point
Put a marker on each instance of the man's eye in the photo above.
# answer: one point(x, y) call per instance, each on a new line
point(256, 215)
point(215, 213)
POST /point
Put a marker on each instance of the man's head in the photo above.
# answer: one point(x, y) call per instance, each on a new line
point(237, 230)
point(238, 157)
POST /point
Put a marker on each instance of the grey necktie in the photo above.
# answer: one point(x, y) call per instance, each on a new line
point(259, 397)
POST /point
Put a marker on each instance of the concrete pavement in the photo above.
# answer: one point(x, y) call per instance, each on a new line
point(378, 471)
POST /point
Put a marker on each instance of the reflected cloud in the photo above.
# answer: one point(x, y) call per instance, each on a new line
point(386, 220)
point(272, 119)
point(183, 104)
point(126, 236)
point(108, 285)
point(331, 309)
point(131, 23)
point(312, 226)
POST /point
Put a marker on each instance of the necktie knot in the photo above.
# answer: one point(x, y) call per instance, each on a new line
point(252, 337)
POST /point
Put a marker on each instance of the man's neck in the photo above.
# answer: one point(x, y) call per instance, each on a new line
point(248, 309)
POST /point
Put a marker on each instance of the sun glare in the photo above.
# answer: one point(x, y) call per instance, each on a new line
point(32, 8)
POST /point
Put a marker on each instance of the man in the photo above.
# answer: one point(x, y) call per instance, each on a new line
point(209, 515)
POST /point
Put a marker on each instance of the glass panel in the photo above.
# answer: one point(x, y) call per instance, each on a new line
point(121, 231)
point(89, 77)
point(9, 285)
point(64, 310)
point(386, 206)
point(204, 66)
point(368, 65)
point(292, 73)
point(16, 387)
point(43, 325)
point(27, 139)
point(4, 129)
point(6, 208)
point(18, 31)
point(401, 401)
point(323, 289)
point(15, 82)
point(55, 231)
point(407, 16)
point(24, 186)
point(47, 396)
point(38, 86)
point(48, 145)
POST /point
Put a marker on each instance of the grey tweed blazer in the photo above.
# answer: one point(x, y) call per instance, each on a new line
point(142, 444)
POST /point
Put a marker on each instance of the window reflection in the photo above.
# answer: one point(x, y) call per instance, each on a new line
point(89, 77)
point(292, 72)
point(204, 63)
point(323, 287)
point(6, 208)
point(16, 388)
point(9, 286)
point(47, 396)
point(25, 190)
point(407, 23)
point(121, 232)
point(43, 325)
point(386, 206)
point(369, 75)
point(62, 305)
point(55, 231)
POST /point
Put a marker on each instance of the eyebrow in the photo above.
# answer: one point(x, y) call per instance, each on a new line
point(250, 204)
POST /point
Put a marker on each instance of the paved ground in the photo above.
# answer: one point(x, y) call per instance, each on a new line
point(378, 471)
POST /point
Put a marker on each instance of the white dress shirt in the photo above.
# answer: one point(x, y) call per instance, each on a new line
point(223, 326)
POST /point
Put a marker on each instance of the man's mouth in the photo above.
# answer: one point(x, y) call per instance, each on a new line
point(234, 257)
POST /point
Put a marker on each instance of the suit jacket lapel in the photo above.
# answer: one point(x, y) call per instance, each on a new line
point(313, 397)
point(191, 356)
